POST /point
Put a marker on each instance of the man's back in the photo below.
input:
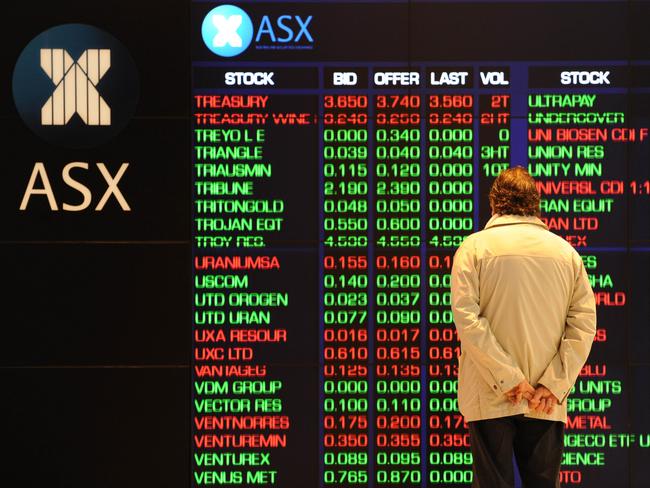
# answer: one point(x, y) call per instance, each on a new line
point(526, 278)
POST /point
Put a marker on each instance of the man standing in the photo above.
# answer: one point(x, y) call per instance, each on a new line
point(526, 318)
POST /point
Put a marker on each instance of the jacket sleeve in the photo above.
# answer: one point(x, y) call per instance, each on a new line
point(579, 332)
point(495, 365)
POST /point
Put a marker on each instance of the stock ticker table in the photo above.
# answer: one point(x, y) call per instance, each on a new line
point(333, 176)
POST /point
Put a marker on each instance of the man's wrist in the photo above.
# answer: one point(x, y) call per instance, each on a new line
point(556, 392)
point(506, 384)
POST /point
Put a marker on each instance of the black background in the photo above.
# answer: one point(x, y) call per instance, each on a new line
point(95, 342)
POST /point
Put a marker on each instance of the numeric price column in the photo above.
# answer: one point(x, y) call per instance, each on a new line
point(450, 169)
point(449, 457)
point(345, 288)
point(397, 297)
point(450, 209)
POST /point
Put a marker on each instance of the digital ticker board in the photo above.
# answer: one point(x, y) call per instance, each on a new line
point(341, 153)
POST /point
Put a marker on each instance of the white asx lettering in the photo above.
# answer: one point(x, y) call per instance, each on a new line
point(40, 173)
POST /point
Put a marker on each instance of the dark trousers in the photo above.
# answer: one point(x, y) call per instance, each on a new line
point(537, 446)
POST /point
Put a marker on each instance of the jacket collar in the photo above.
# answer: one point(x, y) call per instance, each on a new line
point(497, 220)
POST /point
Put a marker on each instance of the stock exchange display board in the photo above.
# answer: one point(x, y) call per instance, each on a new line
point(228, 230)
point(341, 153)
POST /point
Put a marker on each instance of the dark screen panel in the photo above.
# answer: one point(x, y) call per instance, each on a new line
point(408, 147)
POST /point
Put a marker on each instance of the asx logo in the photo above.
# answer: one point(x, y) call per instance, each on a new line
point(75, 85)
point(227, 31)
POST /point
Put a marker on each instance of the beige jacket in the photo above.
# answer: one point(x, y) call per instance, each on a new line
point(524, 309)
